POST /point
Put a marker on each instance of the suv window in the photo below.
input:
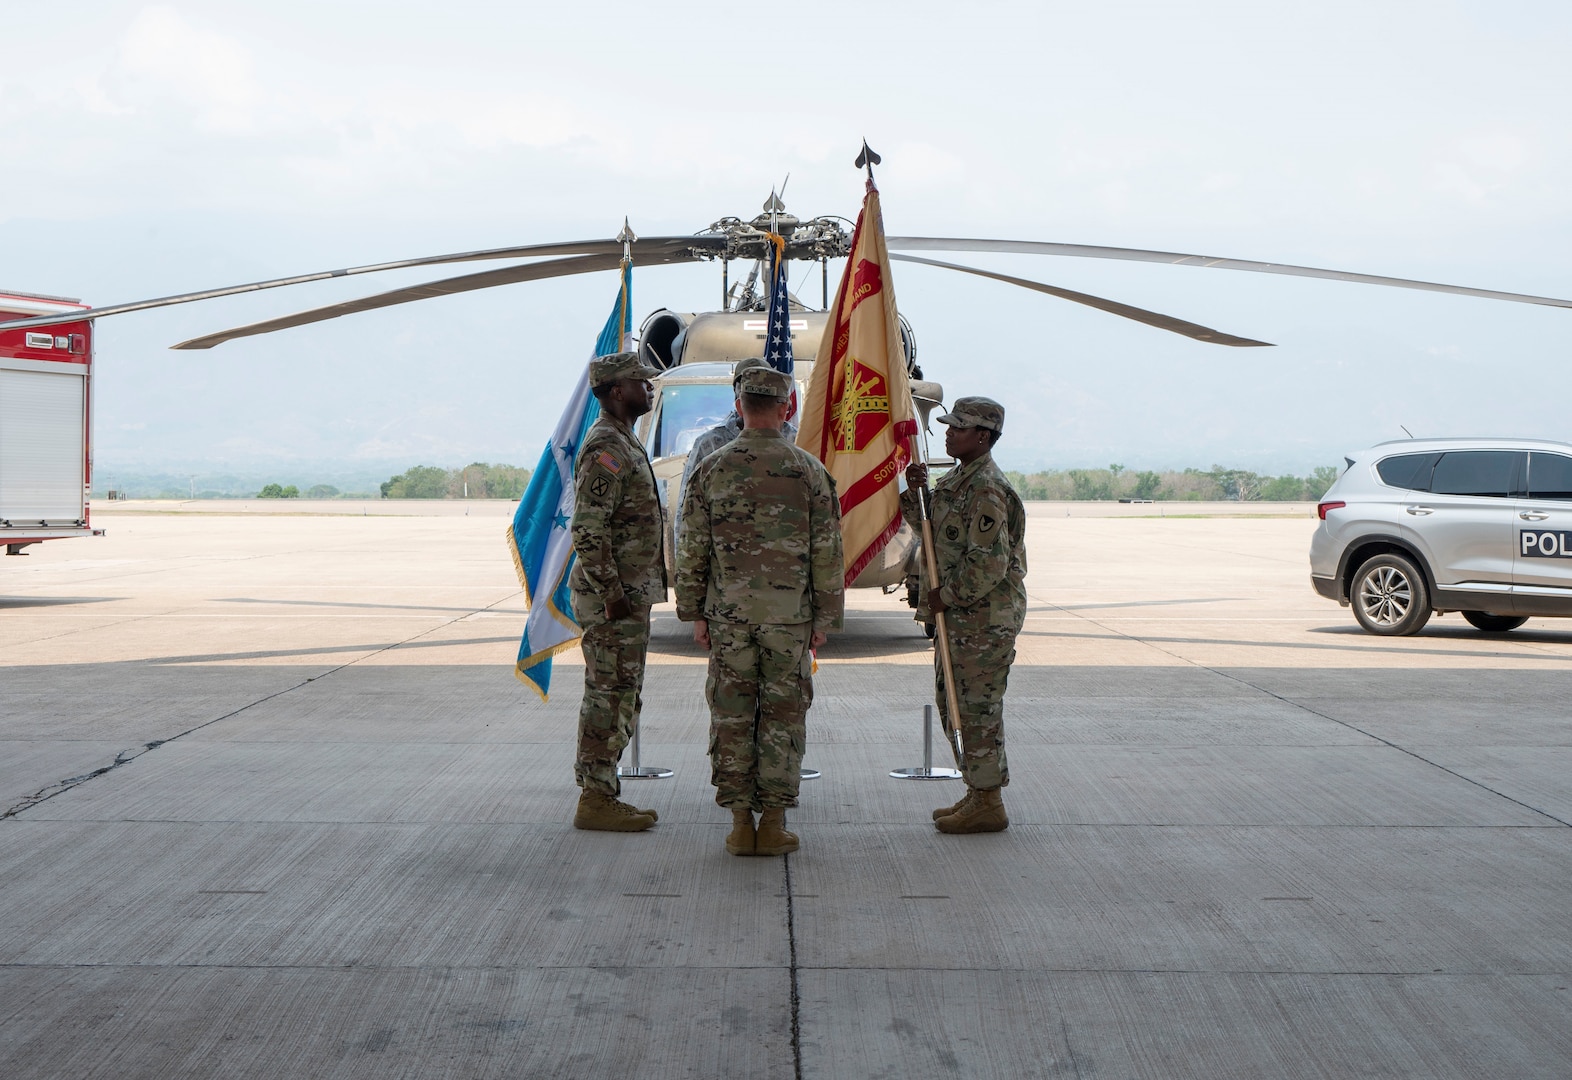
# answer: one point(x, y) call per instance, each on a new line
point(1550, 476)
point(1411, 471)
point(1476, 472)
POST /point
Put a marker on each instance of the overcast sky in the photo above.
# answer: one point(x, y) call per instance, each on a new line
point(148, 149)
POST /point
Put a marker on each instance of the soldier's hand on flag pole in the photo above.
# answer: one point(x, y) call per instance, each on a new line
point(701, 633)
point(816, 642)
point(916, 475)
point(936, 602)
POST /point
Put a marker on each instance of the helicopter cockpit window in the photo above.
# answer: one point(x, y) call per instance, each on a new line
point(688, 411)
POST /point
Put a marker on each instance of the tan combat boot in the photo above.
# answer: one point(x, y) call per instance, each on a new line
point(772, 837)
point(652, 815)
point(600, 812)
point(741, 838)
point(956, 807)
point(985, 814)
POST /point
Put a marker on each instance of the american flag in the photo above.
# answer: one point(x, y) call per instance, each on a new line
point(777, 335)
point(777, 348)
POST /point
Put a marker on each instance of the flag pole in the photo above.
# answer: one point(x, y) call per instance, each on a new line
point(634, 770)
point(942, 635)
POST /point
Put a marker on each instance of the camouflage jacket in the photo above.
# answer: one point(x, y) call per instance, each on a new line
point(705, 445)
point(619, 527)
point(761, 538)
point(979, 543)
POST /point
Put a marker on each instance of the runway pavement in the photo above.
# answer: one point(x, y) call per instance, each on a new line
point(275, 806)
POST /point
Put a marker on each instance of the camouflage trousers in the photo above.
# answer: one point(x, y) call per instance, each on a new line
point(981, 656)
point(759, 688)
point(613, 679)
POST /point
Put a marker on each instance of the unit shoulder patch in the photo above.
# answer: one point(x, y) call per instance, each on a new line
point(987, 523)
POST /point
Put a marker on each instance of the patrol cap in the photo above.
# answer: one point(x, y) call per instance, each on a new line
point(623, 365)
point(764, 381)
point(970, 412)
point(752, 363)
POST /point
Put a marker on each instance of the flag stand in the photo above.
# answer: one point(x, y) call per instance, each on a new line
point(635, 771)
point(927, 771)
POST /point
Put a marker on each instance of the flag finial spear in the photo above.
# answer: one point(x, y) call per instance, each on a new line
point(774, 207)
point(627, 238)
point(867, 158)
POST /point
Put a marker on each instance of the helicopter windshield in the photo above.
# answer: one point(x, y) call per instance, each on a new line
point(688, 410)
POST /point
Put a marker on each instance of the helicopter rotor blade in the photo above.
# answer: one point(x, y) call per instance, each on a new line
point(642, 249)
point(1113, 307)
point(486, 279)
point(1174, 258)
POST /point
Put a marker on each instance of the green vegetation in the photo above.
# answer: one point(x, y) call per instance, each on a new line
point(274, 491)
point(475, 481)
point(1194, 485)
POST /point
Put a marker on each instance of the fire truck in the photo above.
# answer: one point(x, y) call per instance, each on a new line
point(46, 418)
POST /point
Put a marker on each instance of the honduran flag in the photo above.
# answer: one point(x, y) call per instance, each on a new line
point(539, 537)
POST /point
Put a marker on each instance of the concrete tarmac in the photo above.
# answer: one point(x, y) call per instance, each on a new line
point(275, 806)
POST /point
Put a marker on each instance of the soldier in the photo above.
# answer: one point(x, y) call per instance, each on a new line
point(705, 445)
point(759, 574)
point(715, 438)
point(979, 530)
point(620, 573)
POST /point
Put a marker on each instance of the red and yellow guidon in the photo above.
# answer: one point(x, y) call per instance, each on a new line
point(866, 282)
point(860, 408)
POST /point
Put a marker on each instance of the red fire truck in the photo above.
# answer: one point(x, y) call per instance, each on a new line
point(46, 422)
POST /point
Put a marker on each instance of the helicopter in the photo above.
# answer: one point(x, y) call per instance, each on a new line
point(696, 351)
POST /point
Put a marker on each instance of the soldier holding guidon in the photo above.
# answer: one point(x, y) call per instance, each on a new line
point(760, 576)
point(979, 529)
point(618, 534)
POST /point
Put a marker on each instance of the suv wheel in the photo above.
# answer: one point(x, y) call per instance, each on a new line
point(1494, 624)
point(1389, 597)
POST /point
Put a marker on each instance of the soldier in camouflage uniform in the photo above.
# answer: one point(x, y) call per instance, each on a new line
point(715, 438)
point(760, 575)
point(979, 530)
point(620, 572)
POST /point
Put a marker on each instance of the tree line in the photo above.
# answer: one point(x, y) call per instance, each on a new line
point(1217, 484)
point(478, 480)
point(290, 491)
point(474, 481)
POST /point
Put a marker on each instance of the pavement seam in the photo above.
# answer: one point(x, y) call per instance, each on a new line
point(1389, 743)
point(1224, 973)
point(1314, 712)
point(98, 626)
point(796, 990)
point(1064, 1027)
point(60, 787)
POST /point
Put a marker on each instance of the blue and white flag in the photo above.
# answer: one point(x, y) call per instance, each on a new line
point(539, 537)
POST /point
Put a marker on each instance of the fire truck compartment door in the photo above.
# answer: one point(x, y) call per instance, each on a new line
point(41, 451)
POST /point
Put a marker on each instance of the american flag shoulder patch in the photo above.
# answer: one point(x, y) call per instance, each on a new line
point(609, 462)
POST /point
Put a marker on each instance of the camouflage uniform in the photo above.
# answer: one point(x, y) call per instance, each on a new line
point(760, 559)
point(705, 445)
point(979, 530)
point(618, 530)
point(711, 441)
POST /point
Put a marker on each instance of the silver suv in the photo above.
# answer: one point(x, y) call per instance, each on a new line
point(1422, 526)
